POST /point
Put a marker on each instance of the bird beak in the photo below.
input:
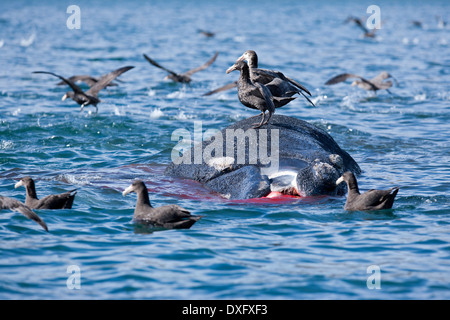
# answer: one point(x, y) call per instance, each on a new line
point(18, 184)
point(241, 58)
point(230, 69)
point(127, 191)
point(64, 97)
point(338, 181)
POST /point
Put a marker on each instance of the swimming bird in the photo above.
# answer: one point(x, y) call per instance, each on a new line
point(7, 203)
point(169, 216)
point(285, 86)
point(360, 24)
point(54, 201)
point(374, 84)
point(255, 95)
point(89, 97)
point(182, 77)
point(369, 200)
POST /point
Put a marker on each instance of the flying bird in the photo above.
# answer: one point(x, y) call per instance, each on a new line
point(374, 84)
point(7, 203)
point(182, 77)
point(89, 97)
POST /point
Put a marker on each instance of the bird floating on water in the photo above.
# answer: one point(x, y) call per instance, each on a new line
point(182, 77)
point(54, 201)
point(168, 216)
point(255, 95)
point(369, 200)
point(374, 84)
point(7, 203)
point(89, 97)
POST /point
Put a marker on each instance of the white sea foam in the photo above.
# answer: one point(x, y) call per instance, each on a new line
point(29, 41)
point(156, 113)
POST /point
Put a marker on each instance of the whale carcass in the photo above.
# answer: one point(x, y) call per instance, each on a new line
point(288, 155)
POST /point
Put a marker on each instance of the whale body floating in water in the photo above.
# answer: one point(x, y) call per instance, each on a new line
point(287, 156)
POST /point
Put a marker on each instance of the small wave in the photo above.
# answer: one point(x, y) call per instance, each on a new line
point(182, 116)
point(420, 97)
point(28, 42)
point(156, 113)
point(82, 179)
point(6, 144)
point(319, 99)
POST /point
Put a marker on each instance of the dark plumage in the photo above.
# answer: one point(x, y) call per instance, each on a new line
point(89, 97)
point(182, 77)
point(54, 201)
point(89, 80)
point(15, 205)
point(169, 216)
point(369, 200)
point(360, 24)
point(374, 84)
point(255, 95)
point(282, 87)
point(207, 34)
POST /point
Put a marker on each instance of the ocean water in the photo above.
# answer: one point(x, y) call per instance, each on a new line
point(303, 248)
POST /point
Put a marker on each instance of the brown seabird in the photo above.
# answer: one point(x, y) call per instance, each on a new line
point(182, 77)
point(54, 201)
point(369, 200)
point(89, 97)
point(169, 216)
point(7, 203)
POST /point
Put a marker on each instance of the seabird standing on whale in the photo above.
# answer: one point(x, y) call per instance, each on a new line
point(369, 200)
point(89, 97)
point(54, 201)
point(169, 216)
point(7, 203)
point(374, 84)
point(182, 77)
point(286, 87)
point(256, 95)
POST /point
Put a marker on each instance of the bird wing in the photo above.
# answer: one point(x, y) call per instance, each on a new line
point(267, 95)
point(344, 76)
point(268, 75)
point(358, 22)
point(106, 79)
point(223, 88)
point(90, 81)
point(71, 84)
point(169, 213)
point(15, 205)
point(203, 66)
point(58, 201)
point(341, 78)
point(156, 64)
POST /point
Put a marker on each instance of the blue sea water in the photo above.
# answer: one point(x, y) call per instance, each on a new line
point(295, 249)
